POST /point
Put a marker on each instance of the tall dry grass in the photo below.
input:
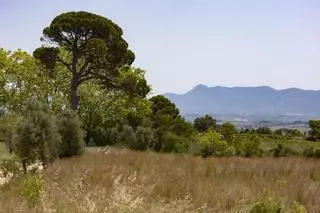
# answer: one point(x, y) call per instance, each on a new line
point(126, 181)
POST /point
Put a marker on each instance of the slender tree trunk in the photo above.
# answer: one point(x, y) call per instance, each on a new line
point(74, 93)
point(24, 165)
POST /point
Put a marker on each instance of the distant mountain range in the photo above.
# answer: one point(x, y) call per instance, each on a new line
point(263, 102)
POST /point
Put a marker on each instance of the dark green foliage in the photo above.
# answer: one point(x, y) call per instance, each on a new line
point(212, 144)
point(317, 153)
point(38, 137)
point(47, 55)
point(173, 143)
point(71, 134)
point(250, 147)
point(7, 128)
point(95, 49)
point(308, 152)
point(282, 151)
point(145, 139)
point(311, 152)
point(115, 135)
point(82, 32)
point(314, 134)
point(95, 136)
point(173, 132)
point(228, 132)
point(161, 106)
point(203, 124)
point(285, 133)
point(263, 131)
point(182, 128)
point(127, 136)
point(134, 120)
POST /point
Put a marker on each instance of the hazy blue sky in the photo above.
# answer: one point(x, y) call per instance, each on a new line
point(181, 43)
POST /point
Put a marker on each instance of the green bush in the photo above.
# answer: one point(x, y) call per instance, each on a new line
point(203, 124)
point(72, 143)
point(308, 152)
point(228, 132)
point(37, 135)
point(250, 148)
point(212, 144)
point(267, 206)
point(282, 151)
point(311, 153)
point(115, 136)
point(11, 166)
point(317, 153)
point(144, 138)
point(127, 136)
point(32, 188)
point(173, 143)
point(298, 208)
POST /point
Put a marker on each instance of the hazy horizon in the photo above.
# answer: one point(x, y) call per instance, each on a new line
point(185, 43)
point(232, 87)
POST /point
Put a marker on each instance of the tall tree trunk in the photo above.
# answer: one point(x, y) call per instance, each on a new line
point(74, 93)
point(24, 165)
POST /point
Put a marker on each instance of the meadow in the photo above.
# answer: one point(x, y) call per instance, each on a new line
point(79, 90)
point(112, 180)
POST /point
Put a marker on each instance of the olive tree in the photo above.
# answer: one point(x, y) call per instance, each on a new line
point(37, 136)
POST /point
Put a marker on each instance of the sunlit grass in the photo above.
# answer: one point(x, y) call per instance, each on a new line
point(125, 181)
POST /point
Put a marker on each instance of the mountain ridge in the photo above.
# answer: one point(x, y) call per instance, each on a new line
point(256, 100)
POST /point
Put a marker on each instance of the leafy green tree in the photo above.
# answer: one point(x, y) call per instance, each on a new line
point(163, 114)
point(182, 128)
point(100, 110)
point(315, 130)
point(38, 137)
point(95, 51)
point(8, 123)
point(72, 143)
point(3, 79)
point(173, 143)
point(163, 111)
point(145, 138)
point(203, 124)
point(228, 132)
point(213, 144)
point(263, 130)
point(173, 132)
point(22, 79)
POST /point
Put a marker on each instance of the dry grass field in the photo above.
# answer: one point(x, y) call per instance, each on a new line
point(126, 181)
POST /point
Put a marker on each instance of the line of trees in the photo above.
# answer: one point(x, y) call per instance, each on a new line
point(80, 88)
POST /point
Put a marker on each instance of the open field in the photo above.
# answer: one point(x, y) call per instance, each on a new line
point(126, 181)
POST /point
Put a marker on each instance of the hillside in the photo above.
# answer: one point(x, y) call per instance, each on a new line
point(260, 101)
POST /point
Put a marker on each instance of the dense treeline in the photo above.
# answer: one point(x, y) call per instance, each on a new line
point(80, 89)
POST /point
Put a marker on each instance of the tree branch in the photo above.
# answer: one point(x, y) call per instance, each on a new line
point(65, 64)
